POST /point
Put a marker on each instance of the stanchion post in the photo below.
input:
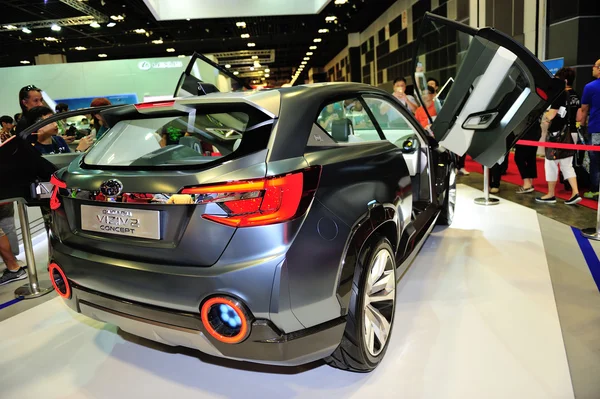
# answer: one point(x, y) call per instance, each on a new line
point(34, 288)
point(486, 200)
point(593, 233)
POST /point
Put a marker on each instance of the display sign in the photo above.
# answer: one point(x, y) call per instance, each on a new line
point(138, 223)
point(554, 64)
point(147, 65)
point(85, 102)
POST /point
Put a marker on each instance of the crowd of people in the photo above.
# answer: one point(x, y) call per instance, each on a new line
point(431, 102)
point(53, 138)
point(570, 119)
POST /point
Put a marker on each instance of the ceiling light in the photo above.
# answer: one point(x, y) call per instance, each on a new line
point(257, 64)
point(267, 75)
point(80, 48)
point(252, 68)
point(323, 30)
point(50, 39)
point(306, 58)
point(317, 40)
point(304, 62)
point(245, 35)
point(10, 27)
point(227, 66)
point(159, 41)
point(188, 19)
point(55, 28)
point(312, 48)
point(111, 24)
point(140, 31)
point(340, 2)
point(117, 17)
point(240, 24)
point(236, 73)
point(267, 70)
point(262, 78)
point(330, 18)
point(255, 57)
point(309, 53)
point(95, 25)
point(26, 30)
point(170, 50)
point(181, 56)
point(102, 55)
point(251, 44)
point(25, 62)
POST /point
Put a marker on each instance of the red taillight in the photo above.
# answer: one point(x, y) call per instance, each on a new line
point(542, 94)
point(156, 104)
point(58, 184)
point(260, 202)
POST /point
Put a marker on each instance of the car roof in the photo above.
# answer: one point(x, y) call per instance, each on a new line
point(295, 97)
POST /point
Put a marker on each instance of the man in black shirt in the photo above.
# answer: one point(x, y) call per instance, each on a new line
point(562, 117)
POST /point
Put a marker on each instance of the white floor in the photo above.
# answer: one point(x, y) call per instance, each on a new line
point(476, 318)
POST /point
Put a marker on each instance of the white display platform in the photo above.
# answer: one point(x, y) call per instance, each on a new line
point(476, 318)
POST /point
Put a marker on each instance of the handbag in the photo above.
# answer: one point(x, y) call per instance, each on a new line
point(563, 136)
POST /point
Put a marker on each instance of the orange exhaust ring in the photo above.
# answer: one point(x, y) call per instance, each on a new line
point(53, 267)
point(215, 301)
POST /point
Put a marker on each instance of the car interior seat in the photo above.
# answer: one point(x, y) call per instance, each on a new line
point(342, 131)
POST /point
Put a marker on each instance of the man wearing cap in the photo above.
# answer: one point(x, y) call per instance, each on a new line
point(590, 106)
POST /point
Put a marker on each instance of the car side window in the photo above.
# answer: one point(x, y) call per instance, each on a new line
point(346, 121)
point(395, 126)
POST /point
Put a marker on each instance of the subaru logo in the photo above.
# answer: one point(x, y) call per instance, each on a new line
point(111, 188)
point(144, 65)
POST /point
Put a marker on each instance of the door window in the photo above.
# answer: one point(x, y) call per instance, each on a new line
point(346, 121)
point(481, 90)
point(395, 126)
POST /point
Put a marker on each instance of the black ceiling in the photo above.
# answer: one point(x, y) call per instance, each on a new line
point(289, 36)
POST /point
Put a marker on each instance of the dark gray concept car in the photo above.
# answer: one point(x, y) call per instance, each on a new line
point(272, 226)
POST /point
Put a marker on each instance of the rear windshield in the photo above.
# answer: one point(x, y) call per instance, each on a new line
point(189, 139)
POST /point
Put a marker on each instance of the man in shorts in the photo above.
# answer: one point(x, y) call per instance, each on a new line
point(590, 106)
point(13, 271)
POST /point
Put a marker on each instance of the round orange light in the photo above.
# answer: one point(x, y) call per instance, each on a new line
point(215, 301)
point(51, 269)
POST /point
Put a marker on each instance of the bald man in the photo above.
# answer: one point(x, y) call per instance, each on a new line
point(590, 106)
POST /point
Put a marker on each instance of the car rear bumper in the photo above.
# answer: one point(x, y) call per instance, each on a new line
point(265, 344)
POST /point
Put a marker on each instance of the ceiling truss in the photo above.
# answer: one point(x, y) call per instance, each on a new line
point(90, 15)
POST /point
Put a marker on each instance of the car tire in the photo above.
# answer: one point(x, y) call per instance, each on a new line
point(361, 349)
point(447, 212)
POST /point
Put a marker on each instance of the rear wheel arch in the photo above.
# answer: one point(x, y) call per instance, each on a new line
point(371, 227)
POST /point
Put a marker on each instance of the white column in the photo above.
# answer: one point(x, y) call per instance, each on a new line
point(477, 21)
point(529, 23)
point(542, 31)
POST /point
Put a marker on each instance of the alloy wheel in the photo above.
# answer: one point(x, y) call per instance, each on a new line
point(379, 301)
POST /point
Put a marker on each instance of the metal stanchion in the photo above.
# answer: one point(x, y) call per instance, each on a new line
point(486, 200)
point(593, 233)
point(33, 289)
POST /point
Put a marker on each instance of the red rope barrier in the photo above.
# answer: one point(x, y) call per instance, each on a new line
point(532, 143)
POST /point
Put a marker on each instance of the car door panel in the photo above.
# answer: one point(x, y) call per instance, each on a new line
point(499, 88)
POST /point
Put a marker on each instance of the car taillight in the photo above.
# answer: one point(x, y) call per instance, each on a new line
point(260, 202)
point(58, 184)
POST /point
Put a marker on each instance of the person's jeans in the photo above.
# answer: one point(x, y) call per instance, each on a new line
point(7, 224)
point(594, 163)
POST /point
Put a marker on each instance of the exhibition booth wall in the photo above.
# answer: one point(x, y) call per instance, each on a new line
point(121, 80)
